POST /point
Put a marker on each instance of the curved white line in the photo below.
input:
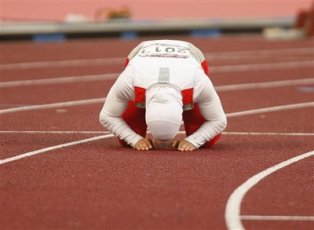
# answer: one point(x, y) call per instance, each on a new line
point(44, 150)
point(232, 212)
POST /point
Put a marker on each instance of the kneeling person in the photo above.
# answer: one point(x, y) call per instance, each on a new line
point(164, 83)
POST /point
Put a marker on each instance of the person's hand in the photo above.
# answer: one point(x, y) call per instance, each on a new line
point(183, 145)
point(143, 144)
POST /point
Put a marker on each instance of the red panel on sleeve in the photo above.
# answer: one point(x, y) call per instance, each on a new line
point(205, 67)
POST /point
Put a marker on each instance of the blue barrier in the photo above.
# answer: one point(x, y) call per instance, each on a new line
point(49, 37)
point(206, 33)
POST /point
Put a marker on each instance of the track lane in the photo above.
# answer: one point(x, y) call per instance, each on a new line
point(159, 191)
point(259, 98)
point(274, 122)
point(46, 94)
point(57, 72)
point(165, 196)
point(77, 90)
point(261, 75)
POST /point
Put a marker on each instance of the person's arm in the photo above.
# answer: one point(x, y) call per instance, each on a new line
point(210, 107)
point(200, 58)
point(116, 103)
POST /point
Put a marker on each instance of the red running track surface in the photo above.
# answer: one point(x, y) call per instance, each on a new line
point(99, 185)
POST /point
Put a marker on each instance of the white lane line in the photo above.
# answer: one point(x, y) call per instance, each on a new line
point(262, 67)
point(277, 218)
point(59, 80)
point(120, 60)
point(180, 132)
point(113, 76)
point(51, 132)
point(63, 63)
point(272, 109)
point(233, 207)
point(44, 150)
point(267, 134)
point(53, 105)
point(101, 100)
point(259, 53)
point(262, 85)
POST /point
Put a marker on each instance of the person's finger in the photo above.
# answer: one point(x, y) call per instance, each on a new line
point(150, 141)
point(140, 146)
point(182, 146)
point(148, 144)
point(143, 144)
point(186, 146)
point(189, 147)
point(174, 143)
point(181, 143)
